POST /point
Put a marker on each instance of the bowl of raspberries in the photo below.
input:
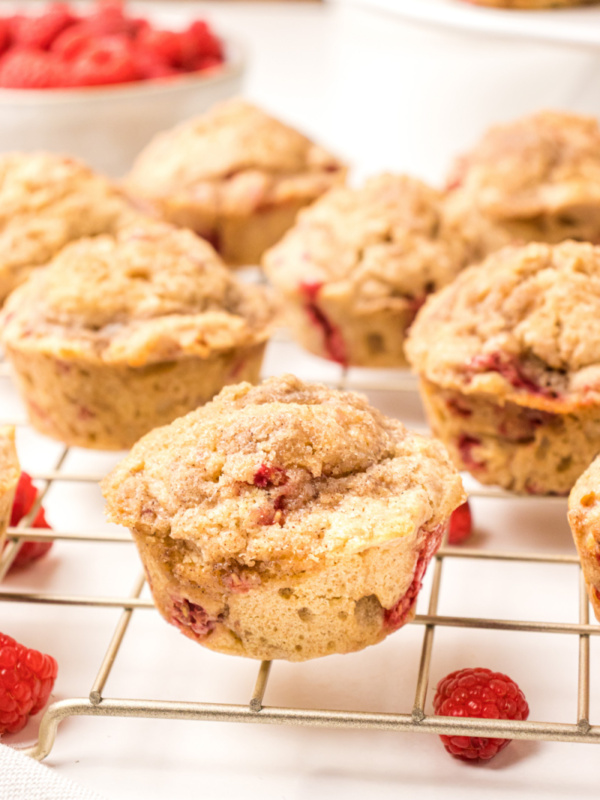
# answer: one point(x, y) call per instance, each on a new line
point(98, 83)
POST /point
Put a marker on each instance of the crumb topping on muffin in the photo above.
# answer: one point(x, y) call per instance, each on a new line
point(538, 165)
point(233, 158)
point(524, 325)
point(280, 478)
point(383, 244)
point(149, 293)
point(47, 201)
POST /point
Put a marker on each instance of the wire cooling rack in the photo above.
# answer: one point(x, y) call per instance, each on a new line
point(415, 719)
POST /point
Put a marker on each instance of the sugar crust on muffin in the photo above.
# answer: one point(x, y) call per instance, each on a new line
point(358, 264)
point(136, 328)
point(235, 175)
point(47, 201)
point(285, 520)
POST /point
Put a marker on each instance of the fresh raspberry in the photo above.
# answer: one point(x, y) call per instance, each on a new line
point(108, 60)
point(26, 680)
point(4, 34)
point(40, 31)
point(24, 499)
point(460, 527)
point(197, 43)
point(25, 68)
point(72, 41)
point(483, 694)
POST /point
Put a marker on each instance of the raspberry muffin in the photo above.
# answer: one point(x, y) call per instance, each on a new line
point(9, 477)
point(509, 361)
point(357, 266)
point(584, 519)
point(285, 520)
point(47, 201)
point(534, 179)
point(119, 334)
point(236, 176)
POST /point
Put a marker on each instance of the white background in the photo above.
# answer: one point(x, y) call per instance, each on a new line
point(385, 95)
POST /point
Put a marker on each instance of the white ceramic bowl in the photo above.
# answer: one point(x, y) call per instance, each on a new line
point(108, 126)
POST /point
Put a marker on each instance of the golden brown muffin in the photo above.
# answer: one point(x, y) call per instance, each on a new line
point(285, 520)
point(9, 478)
point(236, 176)
point(584, 519)
point(509, 360)
point(357, 266)
point(47, 201)
point(122, 333)
point(534, 179)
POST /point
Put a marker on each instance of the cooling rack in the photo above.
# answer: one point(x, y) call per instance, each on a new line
point(415, 719)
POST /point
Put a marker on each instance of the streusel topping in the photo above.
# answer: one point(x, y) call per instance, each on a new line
point(538, 165)
point(282, 477)
point(379, 242)
point(47, 201)
point(149, 293)
point(526, 321)
point(234, 157)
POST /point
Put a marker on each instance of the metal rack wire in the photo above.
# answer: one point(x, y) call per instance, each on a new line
point(415, 719)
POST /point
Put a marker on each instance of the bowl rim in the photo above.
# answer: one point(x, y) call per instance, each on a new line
point(233, 66)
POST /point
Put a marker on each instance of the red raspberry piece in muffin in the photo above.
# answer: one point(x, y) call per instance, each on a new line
point(285, 520)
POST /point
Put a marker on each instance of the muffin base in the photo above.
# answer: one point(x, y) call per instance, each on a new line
point(240, 240)
point(9, 478)
point(520, 448)
point(339, 608)
point(586, 533)
point(108, 407)
point(329, 327)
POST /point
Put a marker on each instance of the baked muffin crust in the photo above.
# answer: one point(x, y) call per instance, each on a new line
point(279, 491)
point(534, 179)
point(232, 166)
point(47, 201)
point(584, 519)
point(9, 478)
point(358, 264)
point(153, 299)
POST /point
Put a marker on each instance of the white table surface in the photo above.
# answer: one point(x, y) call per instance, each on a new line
point(386, 95)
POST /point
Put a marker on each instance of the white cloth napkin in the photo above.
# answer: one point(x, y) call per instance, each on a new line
point(22, 778)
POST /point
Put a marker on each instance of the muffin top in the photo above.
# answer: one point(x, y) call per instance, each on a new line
point(541, 164)
point(381, 243)
point(233, 158)
point(9, 465)
point(523, 325)
point(47, 201)
point(584, 507)
point(281, 478)
point(149, 293)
